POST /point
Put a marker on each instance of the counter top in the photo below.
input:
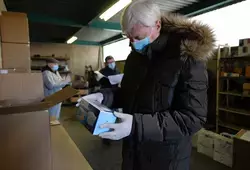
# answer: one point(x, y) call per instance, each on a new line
point(65, 154)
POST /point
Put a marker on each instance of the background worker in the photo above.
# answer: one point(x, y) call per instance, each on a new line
point(110, 67)
point(53, 83)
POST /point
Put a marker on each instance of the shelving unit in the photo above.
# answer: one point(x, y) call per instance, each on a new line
point(230, 114)
point(45, 58)
point(40, 62)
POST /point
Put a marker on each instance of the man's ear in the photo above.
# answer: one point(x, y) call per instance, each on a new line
point(158, 25)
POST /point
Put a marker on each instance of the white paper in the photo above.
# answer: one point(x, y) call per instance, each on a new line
point(246, 136)
point(116, 79)
point(3, 71)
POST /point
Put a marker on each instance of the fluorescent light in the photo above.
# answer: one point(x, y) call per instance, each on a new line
point(71, 40)
point(114, 9)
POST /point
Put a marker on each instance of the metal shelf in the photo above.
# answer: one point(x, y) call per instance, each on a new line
point(45, 58)
point(226, 107)
point(230, 126)
point(234, 94)
point(236, 57)
point(235, 111)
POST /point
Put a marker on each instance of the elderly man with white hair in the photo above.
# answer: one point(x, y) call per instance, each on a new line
point(164, 90)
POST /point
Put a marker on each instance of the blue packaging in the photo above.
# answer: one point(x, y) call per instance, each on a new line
point(94, 114)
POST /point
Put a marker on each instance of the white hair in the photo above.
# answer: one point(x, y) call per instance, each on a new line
point(140, 12)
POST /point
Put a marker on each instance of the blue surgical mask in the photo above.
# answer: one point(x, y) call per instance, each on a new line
point(112, 65)
point(55, 67)
point(141, 44)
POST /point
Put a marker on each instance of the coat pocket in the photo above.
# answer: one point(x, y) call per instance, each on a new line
point(167, 88)
point(197, 94)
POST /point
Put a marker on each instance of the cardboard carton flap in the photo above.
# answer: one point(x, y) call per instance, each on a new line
point(243, 135)
point(37, 106)
point(25, 108)
point(61, 95)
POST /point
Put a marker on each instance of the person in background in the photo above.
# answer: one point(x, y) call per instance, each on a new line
point(110, 67)
point(109, 70)
point(53, 83)
point(163, 93)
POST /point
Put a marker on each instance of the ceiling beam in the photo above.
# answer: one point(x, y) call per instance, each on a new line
point(105, 25)
point(91, 43)
point(205, 6)
point(112, 39)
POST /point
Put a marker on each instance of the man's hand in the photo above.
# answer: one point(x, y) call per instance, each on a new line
point(119, 130)
point(93, 97)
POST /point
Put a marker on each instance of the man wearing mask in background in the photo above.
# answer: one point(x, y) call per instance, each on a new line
point(109, 70)
point(164, 89)
point(53, 83)
point(110, 67)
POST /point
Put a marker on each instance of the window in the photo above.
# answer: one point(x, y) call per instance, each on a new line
point(119, 50)
point(230, 23)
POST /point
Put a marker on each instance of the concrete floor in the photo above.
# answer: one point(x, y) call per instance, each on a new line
point(102, 157)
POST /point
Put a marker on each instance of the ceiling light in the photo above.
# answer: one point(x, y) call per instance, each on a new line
point(71, 40)
point(114, 9)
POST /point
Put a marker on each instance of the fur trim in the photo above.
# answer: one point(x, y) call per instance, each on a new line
point(198, 40)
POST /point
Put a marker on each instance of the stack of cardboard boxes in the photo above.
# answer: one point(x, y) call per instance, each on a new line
point(15, 47)
point(25, 129)
point(216, 146)
point(223, 149)
point(244, 47)
point(205, 143)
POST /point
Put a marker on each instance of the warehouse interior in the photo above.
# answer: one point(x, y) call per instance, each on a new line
point(79, 38)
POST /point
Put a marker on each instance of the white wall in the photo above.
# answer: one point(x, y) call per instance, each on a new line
point(80, 55)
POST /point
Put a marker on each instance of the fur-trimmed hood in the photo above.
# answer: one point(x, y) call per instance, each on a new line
point(198, 39)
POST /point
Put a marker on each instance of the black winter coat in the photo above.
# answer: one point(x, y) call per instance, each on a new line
point(165, 89)
point(109, 72)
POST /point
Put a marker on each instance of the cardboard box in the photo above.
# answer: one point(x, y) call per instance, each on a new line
point(66, 155)
point(241, 150)
point(95, 114)
point(205, 144)
point(246, 86)
point(14, 27)
point(16, 56)
point(223, 150)
point(6, 71)
point(223, 145)
point(25, 141)
point(244, 51)
point(223, 158)
point(244, 42)
point(23, 87)
point(208, 151)
point(1, 60)
point(25, 133)
point(247, 71)
point(206, 138)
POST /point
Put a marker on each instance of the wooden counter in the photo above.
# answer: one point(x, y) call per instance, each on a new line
point(65, 154)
